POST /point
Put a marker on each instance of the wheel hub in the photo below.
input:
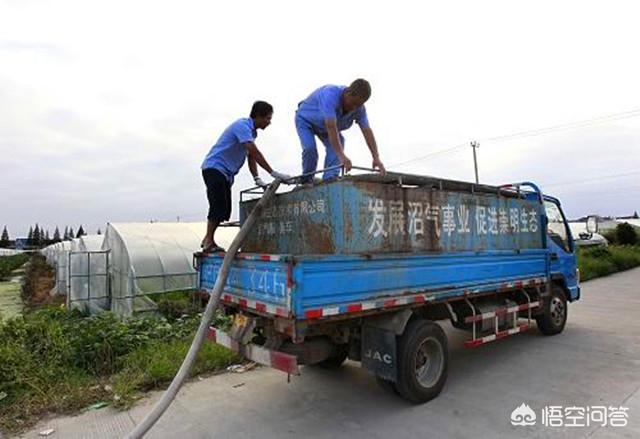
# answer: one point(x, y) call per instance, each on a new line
point(557, 311)
point(429, 362)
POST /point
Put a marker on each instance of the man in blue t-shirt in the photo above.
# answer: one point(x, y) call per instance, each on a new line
point(225, 159)
point(327, 111)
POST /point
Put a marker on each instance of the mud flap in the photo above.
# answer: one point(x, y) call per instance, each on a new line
point(379, 352)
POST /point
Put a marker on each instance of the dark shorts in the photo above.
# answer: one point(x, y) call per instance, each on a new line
point(218, 194)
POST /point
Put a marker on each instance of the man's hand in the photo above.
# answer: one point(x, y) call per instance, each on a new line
point(259, 181)
point(281, 176)
point(346, 162)
point(377, 164)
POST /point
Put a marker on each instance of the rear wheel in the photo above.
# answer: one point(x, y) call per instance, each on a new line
point(554, 316)
point(422, 361)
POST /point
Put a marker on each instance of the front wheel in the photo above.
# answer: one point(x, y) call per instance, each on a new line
point(422, 361)
point(554, 316)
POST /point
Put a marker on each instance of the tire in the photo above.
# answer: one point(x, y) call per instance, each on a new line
point(554, 316)
point(423, 361)
point(335, 361)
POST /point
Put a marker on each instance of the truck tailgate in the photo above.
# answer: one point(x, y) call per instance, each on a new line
point(259, 282)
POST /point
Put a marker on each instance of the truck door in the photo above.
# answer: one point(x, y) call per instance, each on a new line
point(561, 247)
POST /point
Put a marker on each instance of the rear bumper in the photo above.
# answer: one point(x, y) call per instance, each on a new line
point(267, 357)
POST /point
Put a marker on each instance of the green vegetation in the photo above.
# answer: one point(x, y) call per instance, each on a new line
point(10, 263)
point(623, 234)
point(601, 261)
point(151, 366)
point(176, 304)
point(10, 303)
point(622, 254)
point(59, 361)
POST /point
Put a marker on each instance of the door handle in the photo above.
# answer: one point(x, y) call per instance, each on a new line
point(554, 256)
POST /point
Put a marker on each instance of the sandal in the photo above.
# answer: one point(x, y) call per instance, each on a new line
point(213, 249)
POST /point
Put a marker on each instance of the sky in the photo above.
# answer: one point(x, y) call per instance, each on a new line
point(107, 109)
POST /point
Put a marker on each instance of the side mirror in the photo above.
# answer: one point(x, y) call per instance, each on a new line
point(592, 224)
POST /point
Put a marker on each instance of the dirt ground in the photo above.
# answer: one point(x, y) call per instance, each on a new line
point(39, 280)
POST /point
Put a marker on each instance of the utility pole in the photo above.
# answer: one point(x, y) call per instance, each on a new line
point(475, 145)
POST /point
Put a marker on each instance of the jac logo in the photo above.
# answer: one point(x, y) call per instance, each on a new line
point(381, 357)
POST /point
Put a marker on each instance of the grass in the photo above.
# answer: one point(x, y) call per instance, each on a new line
point(10, 263)
point(55, 361)
point(602, 261)
point(152, 366)
point(10, 302)
point(176, 304)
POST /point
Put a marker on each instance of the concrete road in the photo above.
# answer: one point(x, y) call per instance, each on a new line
point(594, 362)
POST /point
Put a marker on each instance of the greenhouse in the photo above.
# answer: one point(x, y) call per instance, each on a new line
point(51, 253)
point(151, 258)
point(87, 275)
point(61, 264)
point(89, 243)
point(118, 270)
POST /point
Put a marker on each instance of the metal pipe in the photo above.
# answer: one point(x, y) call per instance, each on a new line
point(169, 395)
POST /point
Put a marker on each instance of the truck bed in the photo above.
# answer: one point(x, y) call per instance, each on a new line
point(320, 286)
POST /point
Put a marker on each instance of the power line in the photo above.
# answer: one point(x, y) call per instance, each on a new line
point(431, 154)
point(589, 180)
point(609, 193)
point(570, 125)
point(534, 132)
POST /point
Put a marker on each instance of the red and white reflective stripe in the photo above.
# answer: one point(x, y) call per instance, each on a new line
point(252, 256)
point(523, 283)
point(260, 257)
point(278, 360)
point(263, 307)
point(496, 336)
point(407, 300)
point(365, 306)
point(501, 312)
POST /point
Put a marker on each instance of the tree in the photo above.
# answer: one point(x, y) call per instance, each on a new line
point(635, 215)
point(81, 232)
point(56, 235)
point(36, 236)
point(30, 236)
point(99, 232)
point(70, 237)
point(626, 234)
point(46, 237)
point(4, 239)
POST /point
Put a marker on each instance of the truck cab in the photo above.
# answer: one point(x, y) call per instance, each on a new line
point(562, 248)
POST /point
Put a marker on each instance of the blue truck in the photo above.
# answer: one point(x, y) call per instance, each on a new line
point(364, 267)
